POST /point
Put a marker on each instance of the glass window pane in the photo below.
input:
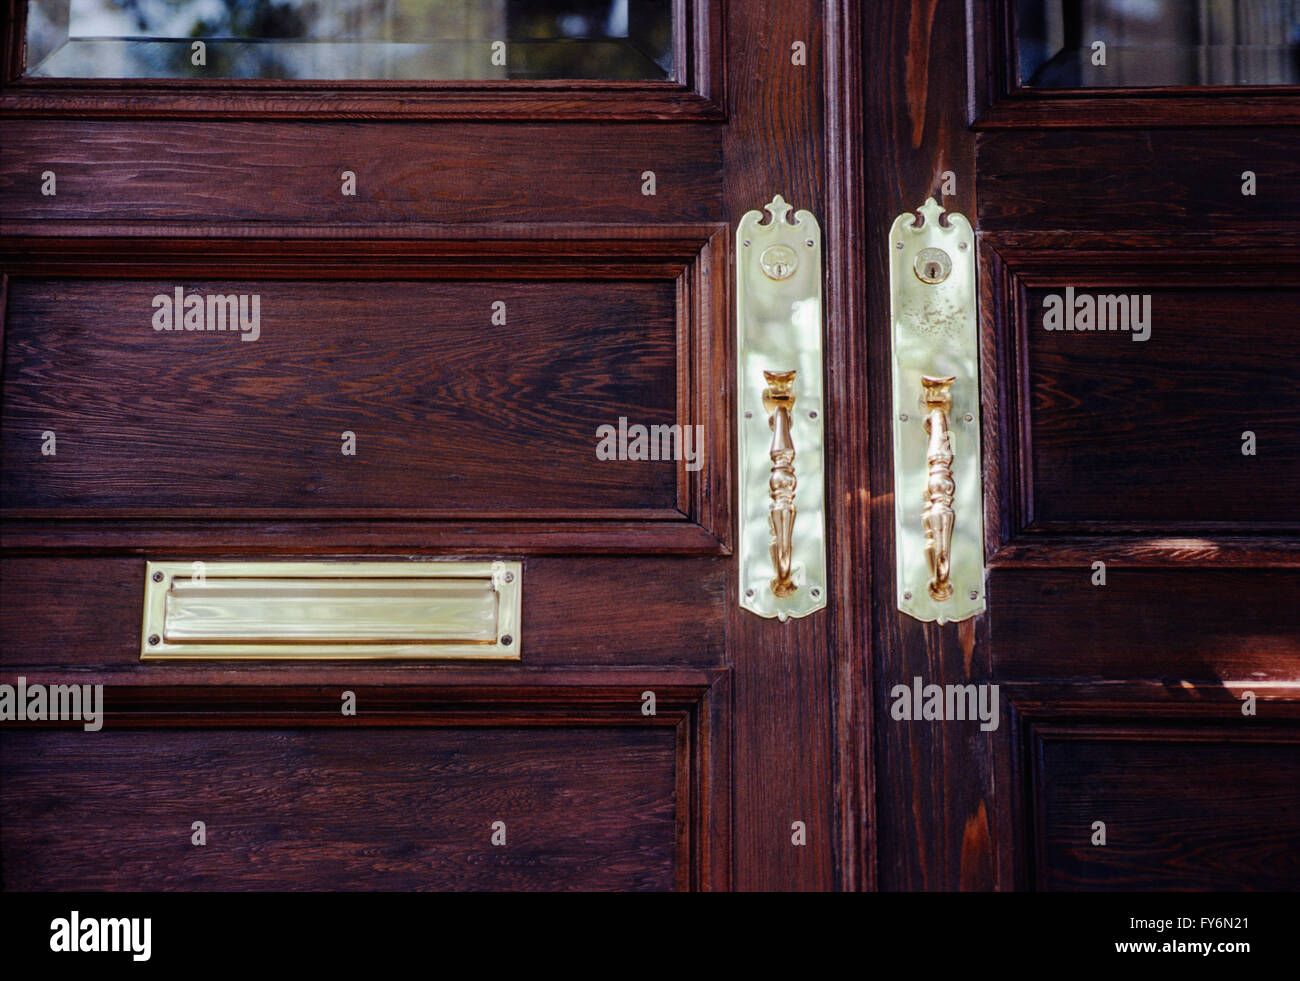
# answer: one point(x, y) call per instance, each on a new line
point(1157, 42)
point(351, 39)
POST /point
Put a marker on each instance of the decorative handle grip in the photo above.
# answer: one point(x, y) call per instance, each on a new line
point(778, 400)
point(938, 517)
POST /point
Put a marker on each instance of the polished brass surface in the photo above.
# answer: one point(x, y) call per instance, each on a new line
point(778, 400)
point(938, 516)
point(934, 345)
point(331, 610)
point(781, 563)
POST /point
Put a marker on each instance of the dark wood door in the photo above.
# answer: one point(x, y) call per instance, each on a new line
point(1139, 518)
point(465, 277)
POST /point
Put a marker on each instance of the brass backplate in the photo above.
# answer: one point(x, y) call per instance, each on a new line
point(779, 330)
point(934, 335)
point(332, 610)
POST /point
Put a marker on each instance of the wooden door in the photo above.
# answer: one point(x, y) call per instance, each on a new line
point(1139, 518)
point(461, 277)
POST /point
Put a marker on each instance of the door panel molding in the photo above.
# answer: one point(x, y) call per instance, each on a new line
point(693, 705)
point(1011, 266)
point(692, 260)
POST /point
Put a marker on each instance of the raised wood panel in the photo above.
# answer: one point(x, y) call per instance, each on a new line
point(1071, 419)
point(84, 614)
point(601, 322)
point(212, 171)
point(1149, 433)
point(1206, 809)
point(446, 416)
point(328, 808)
point(1196, 625)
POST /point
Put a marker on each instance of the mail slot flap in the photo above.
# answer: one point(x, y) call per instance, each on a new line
point(277, 610)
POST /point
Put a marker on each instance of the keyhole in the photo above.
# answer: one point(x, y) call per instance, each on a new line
point(932, 265)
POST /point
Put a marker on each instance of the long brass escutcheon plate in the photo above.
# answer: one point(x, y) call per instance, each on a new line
point(938, 500)
point(780, 413)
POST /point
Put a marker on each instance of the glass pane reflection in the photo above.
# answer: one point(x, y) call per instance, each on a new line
point(352, 39)
point(1158, 43)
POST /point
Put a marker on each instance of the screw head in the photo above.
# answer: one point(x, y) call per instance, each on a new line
point(816, 593)
point(510, 577)
point(813, 414)
point(962, 246)
point(749, 594)
point(907, 595)
point(748, 414)
point(154, 640)
point(969, 417)
point(974, 594)
point(507, 640)
point(746, 243)
point(808, 242)
point(898, 245)
point(903, 417)
point(157, 577)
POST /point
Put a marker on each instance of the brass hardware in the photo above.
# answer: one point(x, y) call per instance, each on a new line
point(782, 565)
point(778, 400)
point(938, 510)
point(938, 516)
point(932, 265)
point(331, 610)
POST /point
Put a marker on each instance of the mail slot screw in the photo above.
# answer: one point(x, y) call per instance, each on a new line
point(907, 595)
point(898, 245)
point(962, 246)
point(746, 243)
point(157, 577)
point(507, 640)
point(974, 594)
point(510, 577)
point(154, 640)
point(903, 417)
point(816, 593)
point(808, 242)
point(749, 594)
point(969, 417)
point(813, 414)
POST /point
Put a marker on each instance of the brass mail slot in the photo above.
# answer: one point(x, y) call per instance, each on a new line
point(331, 610)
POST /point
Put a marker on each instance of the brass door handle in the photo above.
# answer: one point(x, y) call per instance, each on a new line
point(780, 563)
point(938, 517)
point(934, 347)
point(778, 400)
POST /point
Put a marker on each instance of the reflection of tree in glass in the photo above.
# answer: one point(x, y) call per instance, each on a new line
point(558, 39)
point(639, 33)
point(240, 18)
point(260, 19)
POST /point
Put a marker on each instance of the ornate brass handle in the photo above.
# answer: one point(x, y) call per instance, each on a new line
point(938, 517)
point(778, 400)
